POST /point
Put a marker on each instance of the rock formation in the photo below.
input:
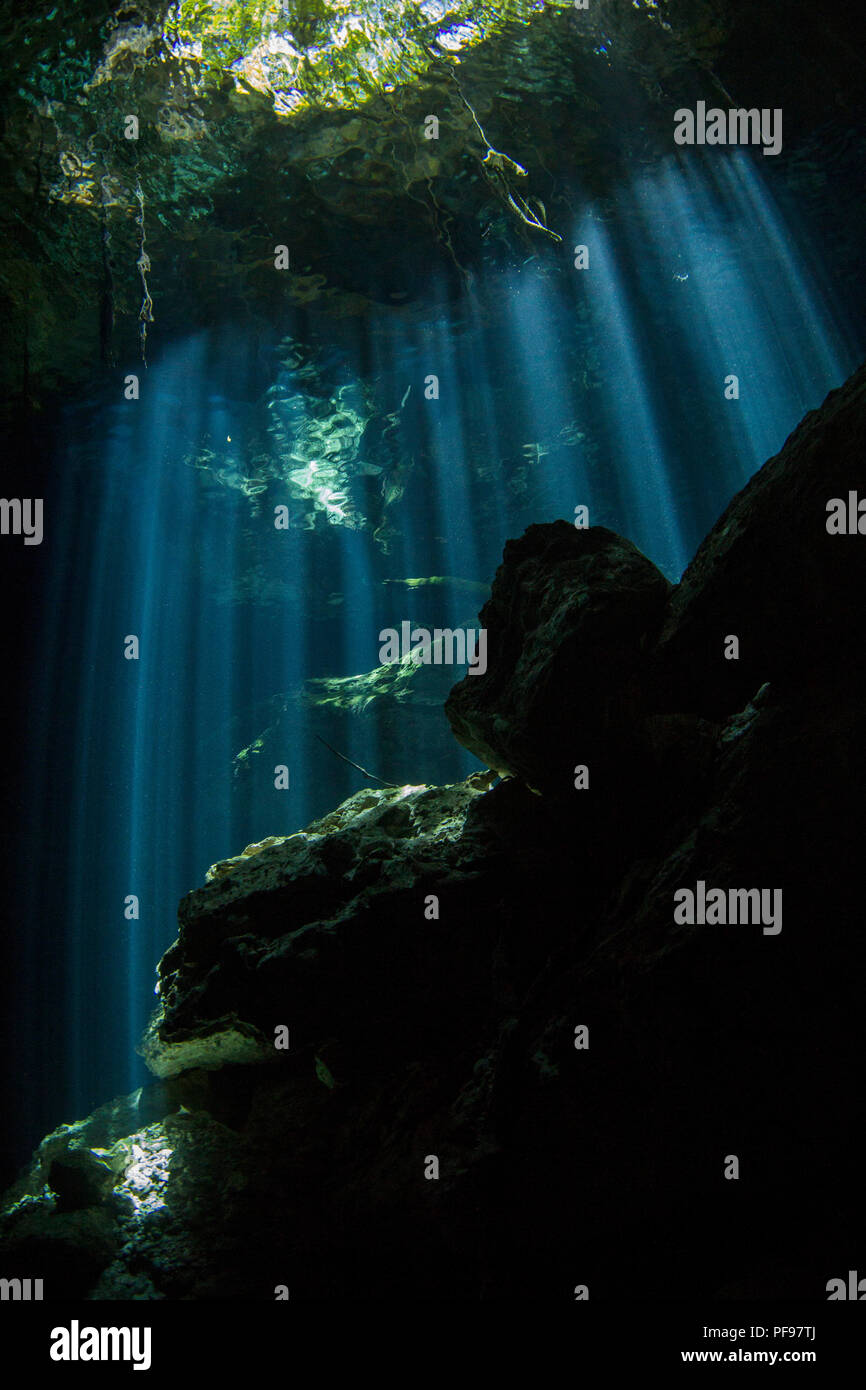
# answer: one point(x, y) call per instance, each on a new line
point(436, 953)
point(332, 154)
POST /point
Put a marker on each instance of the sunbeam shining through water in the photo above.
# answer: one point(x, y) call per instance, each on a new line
point(233, 533)
point(432, 544)
point(602, 387)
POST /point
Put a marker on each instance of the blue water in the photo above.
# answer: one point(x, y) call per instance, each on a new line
point(557, 388)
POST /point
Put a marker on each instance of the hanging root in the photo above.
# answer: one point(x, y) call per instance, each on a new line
point(372, 775)
point(438, 217)
point(145, 313)
point(106, 308)
point(498, 167)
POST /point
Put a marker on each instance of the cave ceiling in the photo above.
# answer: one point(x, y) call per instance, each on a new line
point(154, 156)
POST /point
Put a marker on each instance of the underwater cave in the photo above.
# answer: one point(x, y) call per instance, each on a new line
point(435, 599)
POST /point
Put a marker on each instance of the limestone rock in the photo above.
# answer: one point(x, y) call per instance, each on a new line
point(453, 1033)
point(770, 574)
point(569, 624)
point(297, 927)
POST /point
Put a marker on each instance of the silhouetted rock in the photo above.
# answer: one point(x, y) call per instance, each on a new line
point(435, 953)
point(569, 623)
point(770, 574)
point(305, 929)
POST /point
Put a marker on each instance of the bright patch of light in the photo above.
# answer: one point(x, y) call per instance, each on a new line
point(145, 1179)
point(455, 39)
point(332, 503)
point(248, 41)
point(434, 10)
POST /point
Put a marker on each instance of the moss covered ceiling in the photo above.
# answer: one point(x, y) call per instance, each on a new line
point(304, 123)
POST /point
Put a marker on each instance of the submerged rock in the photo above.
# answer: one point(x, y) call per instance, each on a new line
point(299, 929)
point(490, 987)
point(771, 574)
point(569, 623)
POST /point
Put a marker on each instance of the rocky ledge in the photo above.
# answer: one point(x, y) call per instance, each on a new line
point(454, 1042)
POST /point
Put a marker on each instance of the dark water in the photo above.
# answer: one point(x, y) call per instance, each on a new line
point(557, 388)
